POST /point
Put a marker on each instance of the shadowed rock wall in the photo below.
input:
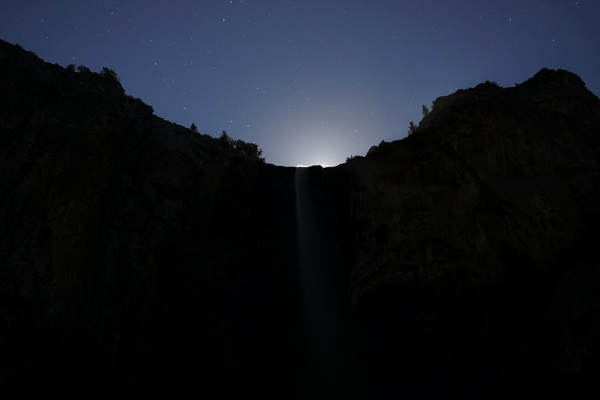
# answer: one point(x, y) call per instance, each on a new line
point(98, 201)
point(476, 263)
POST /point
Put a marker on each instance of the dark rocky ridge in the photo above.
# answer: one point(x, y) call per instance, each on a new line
point(137, 257)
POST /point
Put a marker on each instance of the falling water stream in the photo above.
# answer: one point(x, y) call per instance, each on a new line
point(333, 368)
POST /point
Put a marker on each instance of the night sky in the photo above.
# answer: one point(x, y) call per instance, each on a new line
point(310, 81)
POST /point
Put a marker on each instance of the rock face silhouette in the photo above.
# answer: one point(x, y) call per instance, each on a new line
point(138, 257)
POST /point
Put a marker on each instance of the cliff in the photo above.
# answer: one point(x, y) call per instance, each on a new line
point(476, 247)
point(138, 257)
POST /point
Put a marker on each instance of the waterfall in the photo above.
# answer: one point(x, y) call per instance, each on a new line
point(309, 260)
point(323, 303)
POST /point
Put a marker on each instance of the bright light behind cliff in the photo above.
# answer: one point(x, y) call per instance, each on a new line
point(324, 142)
point(306, 166)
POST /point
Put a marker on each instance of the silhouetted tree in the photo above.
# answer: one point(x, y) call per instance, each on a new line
point(425, 110)
point(83, 68)
point(193, 128)
point(487, 85)
point(110, 73)
point(71, 67)
point(226, 141)
point(240, 147)
point(411, 128)
point(249, 149)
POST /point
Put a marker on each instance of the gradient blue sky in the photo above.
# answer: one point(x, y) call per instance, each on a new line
point(312, 81)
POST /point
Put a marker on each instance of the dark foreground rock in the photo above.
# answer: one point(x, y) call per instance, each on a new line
point(477, 265)
point(139, 258)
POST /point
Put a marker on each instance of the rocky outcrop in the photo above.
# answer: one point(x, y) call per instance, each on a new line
point(95, 195)
point(475, 247)
point(138, 257)
point(487, 174)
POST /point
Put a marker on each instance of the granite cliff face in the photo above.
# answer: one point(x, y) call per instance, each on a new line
point(476, 247)
point(138, 257)
point(95, 192)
